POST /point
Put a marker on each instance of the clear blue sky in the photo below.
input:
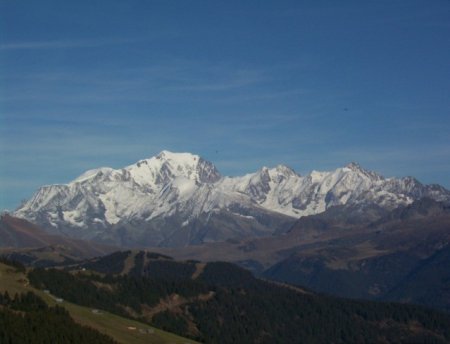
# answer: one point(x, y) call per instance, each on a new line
point(311, 84)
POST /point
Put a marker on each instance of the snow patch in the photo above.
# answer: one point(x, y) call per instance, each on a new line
point(73, 217)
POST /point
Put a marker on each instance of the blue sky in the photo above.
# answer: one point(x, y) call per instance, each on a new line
point(310, 84)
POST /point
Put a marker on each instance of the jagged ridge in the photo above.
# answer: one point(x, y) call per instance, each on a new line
point(174, 191)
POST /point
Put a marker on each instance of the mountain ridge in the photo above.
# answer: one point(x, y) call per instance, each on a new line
point(182, 192)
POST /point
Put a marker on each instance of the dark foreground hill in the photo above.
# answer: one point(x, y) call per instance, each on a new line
point(26, 318)
point(32, 316)
point(222, 303)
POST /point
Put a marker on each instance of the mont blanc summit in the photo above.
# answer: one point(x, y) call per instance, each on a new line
point(177, 199)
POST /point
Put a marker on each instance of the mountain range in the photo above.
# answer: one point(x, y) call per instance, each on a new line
point(180, 199)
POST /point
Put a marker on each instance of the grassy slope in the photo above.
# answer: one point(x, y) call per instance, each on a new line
point(110, 324)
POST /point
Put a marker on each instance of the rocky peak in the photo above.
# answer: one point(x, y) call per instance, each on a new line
point(207, 172)
point(167, 166)
point(355, 167)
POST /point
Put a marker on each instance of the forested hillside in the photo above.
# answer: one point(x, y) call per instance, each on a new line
point(222, 303)
point(29, 315)
point(25, 318)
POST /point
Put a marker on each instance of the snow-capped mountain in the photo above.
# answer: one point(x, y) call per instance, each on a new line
point(180, 198)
